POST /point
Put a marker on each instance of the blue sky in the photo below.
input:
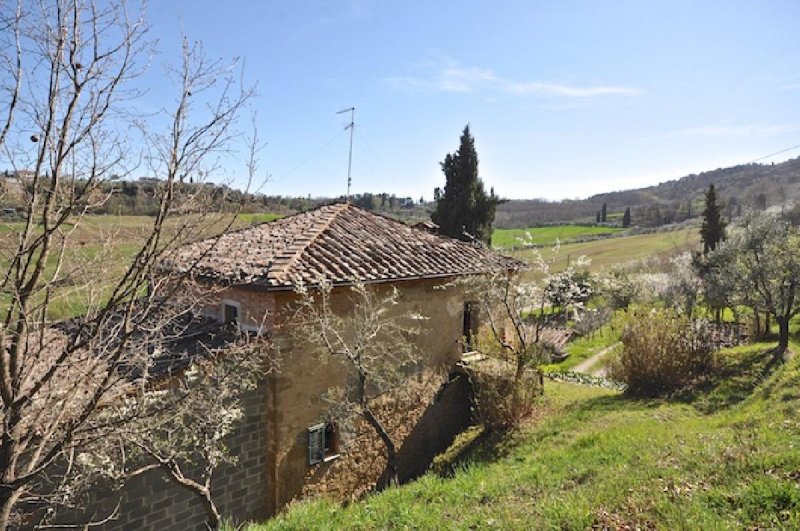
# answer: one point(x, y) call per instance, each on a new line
point(565, 98)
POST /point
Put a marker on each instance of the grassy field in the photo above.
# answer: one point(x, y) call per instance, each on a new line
point(723, 458)
point(510, 238)
point(99, 244)
point(607, 252)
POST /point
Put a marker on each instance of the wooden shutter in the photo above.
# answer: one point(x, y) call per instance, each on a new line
point(316, 444)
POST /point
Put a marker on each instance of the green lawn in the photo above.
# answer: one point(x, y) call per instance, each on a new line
point(510, 238)
point(724, 458)
point(258, 217)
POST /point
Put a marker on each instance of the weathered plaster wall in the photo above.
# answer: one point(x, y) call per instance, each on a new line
point(303, 380)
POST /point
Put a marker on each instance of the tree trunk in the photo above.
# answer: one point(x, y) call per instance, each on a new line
point(203, 492)
point(756, 323)
point(767, 325)
point(783, 334)
point(392, 477)
point(520, 371)
point(213, 519)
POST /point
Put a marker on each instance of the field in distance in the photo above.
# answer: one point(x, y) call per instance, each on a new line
point(102, 246)
point(511, 238)
point(117, 238)
point(610, 251)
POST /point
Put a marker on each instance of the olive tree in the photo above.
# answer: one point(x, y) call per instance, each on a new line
point(759, 265)
point(515, 308)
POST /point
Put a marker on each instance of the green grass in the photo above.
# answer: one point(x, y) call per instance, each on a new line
point(608, 252)
point(258, 217)
point(510, 238)
point(599, 458)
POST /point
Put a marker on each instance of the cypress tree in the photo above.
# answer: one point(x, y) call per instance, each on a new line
point(713, 229)
point(603, 217)
point(464, 206)
point(626, 218)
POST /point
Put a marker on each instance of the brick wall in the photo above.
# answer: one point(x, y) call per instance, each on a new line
point(153, 502)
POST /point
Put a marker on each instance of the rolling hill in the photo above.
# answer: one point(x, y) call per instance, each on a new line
point(746, 185)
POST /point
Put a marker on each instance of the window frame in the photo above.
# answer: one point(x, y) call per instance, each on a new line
point(234, 304)
point(318, 440)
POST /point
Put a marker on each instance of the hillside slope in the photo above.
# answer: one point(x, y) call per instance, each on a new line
point(724, 458)
point(779, 184)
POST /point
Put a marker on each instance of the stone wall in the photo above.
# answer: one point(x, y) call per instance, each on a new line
point(362, 461)
point(447, 415)
point(423, 420)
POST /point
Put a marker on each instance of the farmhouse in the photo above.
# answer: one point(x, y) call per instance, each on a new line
point(286, 448)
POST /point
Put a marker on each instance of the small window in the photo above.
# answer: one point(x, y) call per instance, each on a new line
point(230, 313)
point(323, 443)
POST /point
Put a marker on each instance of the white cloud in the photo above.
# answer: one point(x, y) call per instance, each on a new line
point(449, 76)
point(552, 89)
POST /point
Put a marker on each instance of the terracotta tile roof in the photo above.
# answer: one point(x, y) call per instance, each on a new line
point(338, 243)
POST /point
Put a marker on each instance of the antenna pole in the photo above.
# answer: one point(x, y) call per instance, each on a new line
point(351, 126)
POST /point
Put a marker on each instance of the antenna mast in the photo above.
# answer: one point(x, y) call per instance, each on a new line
point(351, 126)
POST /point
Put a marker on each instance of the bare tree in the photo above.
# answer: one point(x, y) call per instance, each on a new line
point(371, 340)
point(177, 425)
point(518, 310)
point(68, 130)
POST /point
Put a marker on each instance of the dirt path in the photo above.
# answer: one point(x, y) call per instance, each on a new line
point(586, 364)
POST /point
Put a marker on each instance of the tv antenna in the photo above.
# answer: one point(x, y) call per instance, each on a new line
point(351, 126)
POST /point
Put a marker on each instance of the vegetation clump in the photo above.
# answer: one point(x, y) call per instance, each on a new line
point(662, 351)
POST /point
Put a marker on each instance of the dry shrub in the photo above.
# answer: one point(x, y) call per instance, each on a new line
point(662, 351)
point(500, 401)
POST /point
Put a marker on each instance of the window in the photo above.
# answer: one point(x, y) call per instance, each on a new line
point(230, 312)
point(470, 328)
point(323, 443)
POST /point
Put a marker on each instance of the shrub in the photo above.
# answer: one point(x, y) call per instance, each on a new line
point(662, 351)
point(500, 401)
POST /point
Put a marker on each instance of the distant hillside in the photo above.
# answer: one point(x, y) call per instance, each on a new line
point(743, 186)
point(140, 197)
